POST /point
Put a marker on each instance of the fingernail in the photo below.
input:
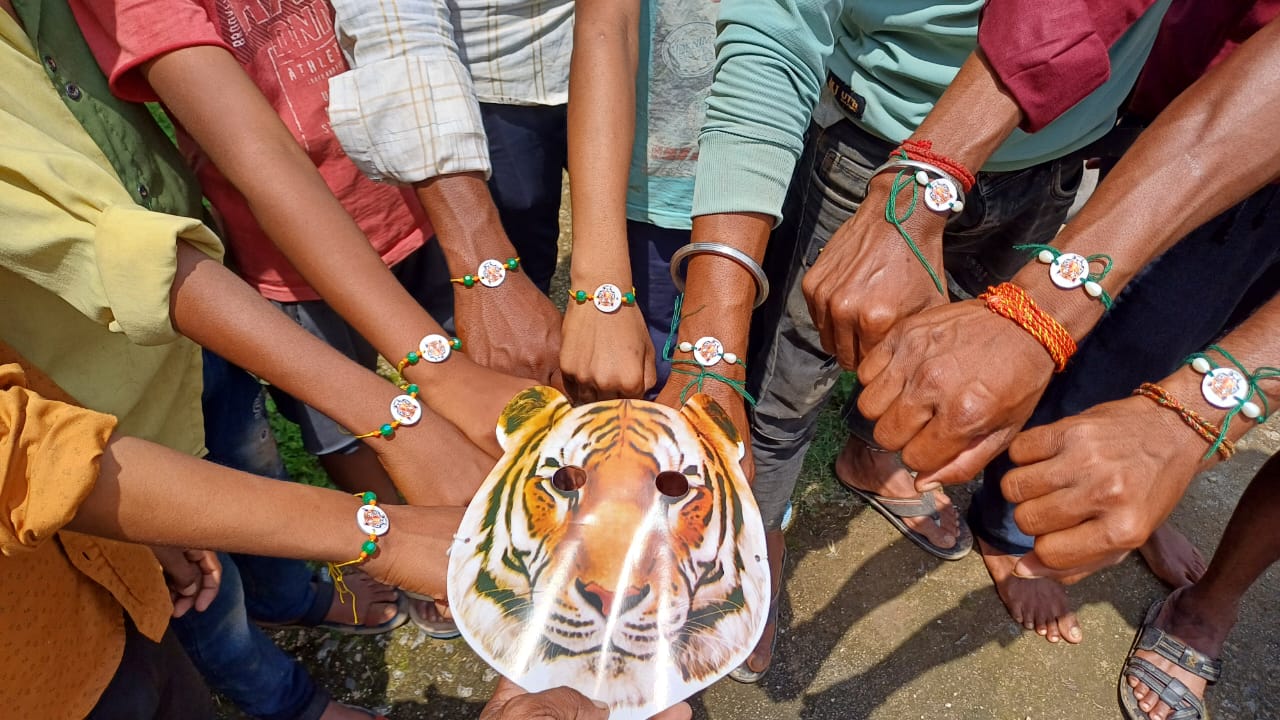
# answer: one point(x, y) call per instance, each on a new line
point(1021, 571)
point(928, 487)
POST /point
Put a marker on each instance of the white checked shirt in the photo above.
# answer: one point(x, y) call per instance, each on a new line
point(407, 110)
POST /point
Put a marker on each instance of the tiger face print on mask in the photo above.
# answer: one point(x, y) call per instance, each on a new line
point(615, 548)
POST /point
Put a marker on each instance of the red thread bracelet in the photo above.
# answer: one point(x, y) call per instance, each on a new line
point(922, 151)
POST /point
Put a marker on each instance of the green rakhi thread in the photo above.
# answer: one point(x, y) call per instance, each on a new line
point(900, 182)
point(702, 374)
point(1049, 254)
point(1202, 363)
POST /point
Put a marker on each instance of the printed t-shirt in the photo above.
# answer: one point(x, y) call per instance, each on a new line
point(289, 49)
point(676, 63)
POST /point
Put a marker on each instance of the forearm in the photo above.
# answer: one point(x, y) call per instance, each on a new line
point(465, 219)
point(150, 494)
point(960, 133)
point(720, 293)
point(1209, 150)
point(601, 115)
point(287, 195)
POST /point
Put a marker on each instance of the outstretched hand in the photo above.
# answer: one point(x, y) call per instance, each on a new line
point(950, 387)
point(867, 278)
point(414, 554)
point(1094, 486)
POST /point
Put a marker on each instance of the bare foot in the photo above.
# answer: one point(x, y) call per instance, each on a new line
point(1039, 605)
point(375, 603)
point(1172, 557)
point(1203, 628)
point(337, 711)
point(883, 474)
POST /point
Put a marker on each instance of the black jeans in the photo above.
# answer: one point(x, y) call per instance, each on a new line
point(790, 374)
point(155, 681)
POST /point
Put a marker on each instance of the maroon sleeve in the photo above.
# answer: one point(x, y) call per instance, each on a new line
point(1050, 55)
point(124, 34)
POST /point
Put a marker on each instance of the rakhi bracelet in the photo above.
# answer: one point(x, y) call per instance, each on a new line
point(373, 522)
point(1233, 389)
point(901, 182)
point(1070, 270)
point(1211, 433)
point(1010, 301)
point(432, 348)
point(707, 353)
point(405, 410)
point(942, 191)
point(607, 298)
point(726, 251)
point(490, 274)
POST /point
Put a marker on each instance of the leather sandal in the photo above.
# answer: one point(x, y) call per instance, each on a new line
point(743, 673)
point(1172, 691)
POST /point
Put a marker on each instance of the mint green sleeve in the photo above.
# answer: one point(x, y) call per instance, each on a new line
point(770, 65)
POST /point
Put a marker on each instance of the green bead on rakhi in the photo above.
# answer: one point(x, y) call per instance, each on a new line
point(387, 430)
point(412, 389)
point(629, 298)
point(369, 547)
point(580, 296)
point(468, 281)
point(412, 358)
point(368, 496)
point(455, 343)
point(512, 263)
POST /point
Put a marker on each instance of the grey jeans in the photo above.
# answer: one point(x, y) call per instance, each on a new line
point(790, 374)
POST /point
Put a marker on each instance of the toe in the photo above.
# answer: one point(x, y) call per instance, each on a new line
point(1070, 628)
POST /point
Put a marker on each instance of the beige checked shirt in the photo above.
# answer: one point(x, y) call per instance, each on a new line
point(408, 109)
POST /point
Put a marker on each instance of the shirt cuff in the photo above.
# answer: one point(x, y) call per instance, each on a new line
point(409, 119)
point(138, 260)
point(737, 174)
point(50, 451)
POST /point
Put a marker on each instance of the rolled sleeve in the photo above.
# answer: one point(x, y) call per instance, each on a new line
point(50, 451)
point(72, 229)
point(1050, 56)
point(407, 110)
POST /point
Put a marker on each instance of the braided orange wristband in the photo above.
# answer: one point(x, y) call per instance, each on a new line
point(1010, 301)
point(1205, 429)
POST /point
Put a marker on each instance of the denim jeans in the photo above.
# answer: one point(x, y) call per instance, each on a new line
point(529, 150)
point(1183, 301)
point(651, 248)
point(235, 657)
point(790, 374)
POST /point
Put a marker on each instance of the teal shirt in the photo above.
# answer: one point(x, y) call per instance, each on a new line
point(676, 62)
point(897, 55)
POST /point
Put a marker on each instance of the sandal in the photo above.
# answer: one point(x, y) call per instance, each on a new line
point(442, 629)
point(315, 616)
point(1172, 691)
point(926, 505)
point(743, 673)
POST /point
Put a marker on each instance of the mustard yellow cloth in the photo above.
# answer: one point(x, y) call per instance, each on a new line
point(85, 273)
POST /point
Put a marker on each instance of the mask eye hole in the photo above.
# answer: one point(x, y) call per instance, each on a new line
point(672, 484)
point(569, 478)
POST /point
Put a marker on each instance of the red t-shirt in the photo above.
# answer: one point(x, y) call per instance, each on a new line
point(289, 49)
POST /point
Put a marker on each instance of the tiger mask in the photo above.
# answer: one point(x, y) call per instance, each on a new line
point(616, 548)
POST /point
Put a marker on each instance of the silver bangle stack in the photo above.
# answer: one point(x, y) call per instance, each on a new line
point(725, 251)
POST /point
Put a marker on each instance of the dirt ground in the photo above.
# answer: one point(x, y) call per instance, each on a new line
point(875, 628)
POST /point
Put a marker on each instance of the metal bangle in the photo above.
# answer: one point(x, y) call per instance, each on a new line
point(732, 253)
point(898, 163)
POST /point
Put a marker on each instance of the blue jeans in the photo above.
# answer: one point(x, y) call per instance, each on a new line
point(235, 657)
point(1183, 301)
point(789, 373)
point(651, 248)
point(529, 150)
